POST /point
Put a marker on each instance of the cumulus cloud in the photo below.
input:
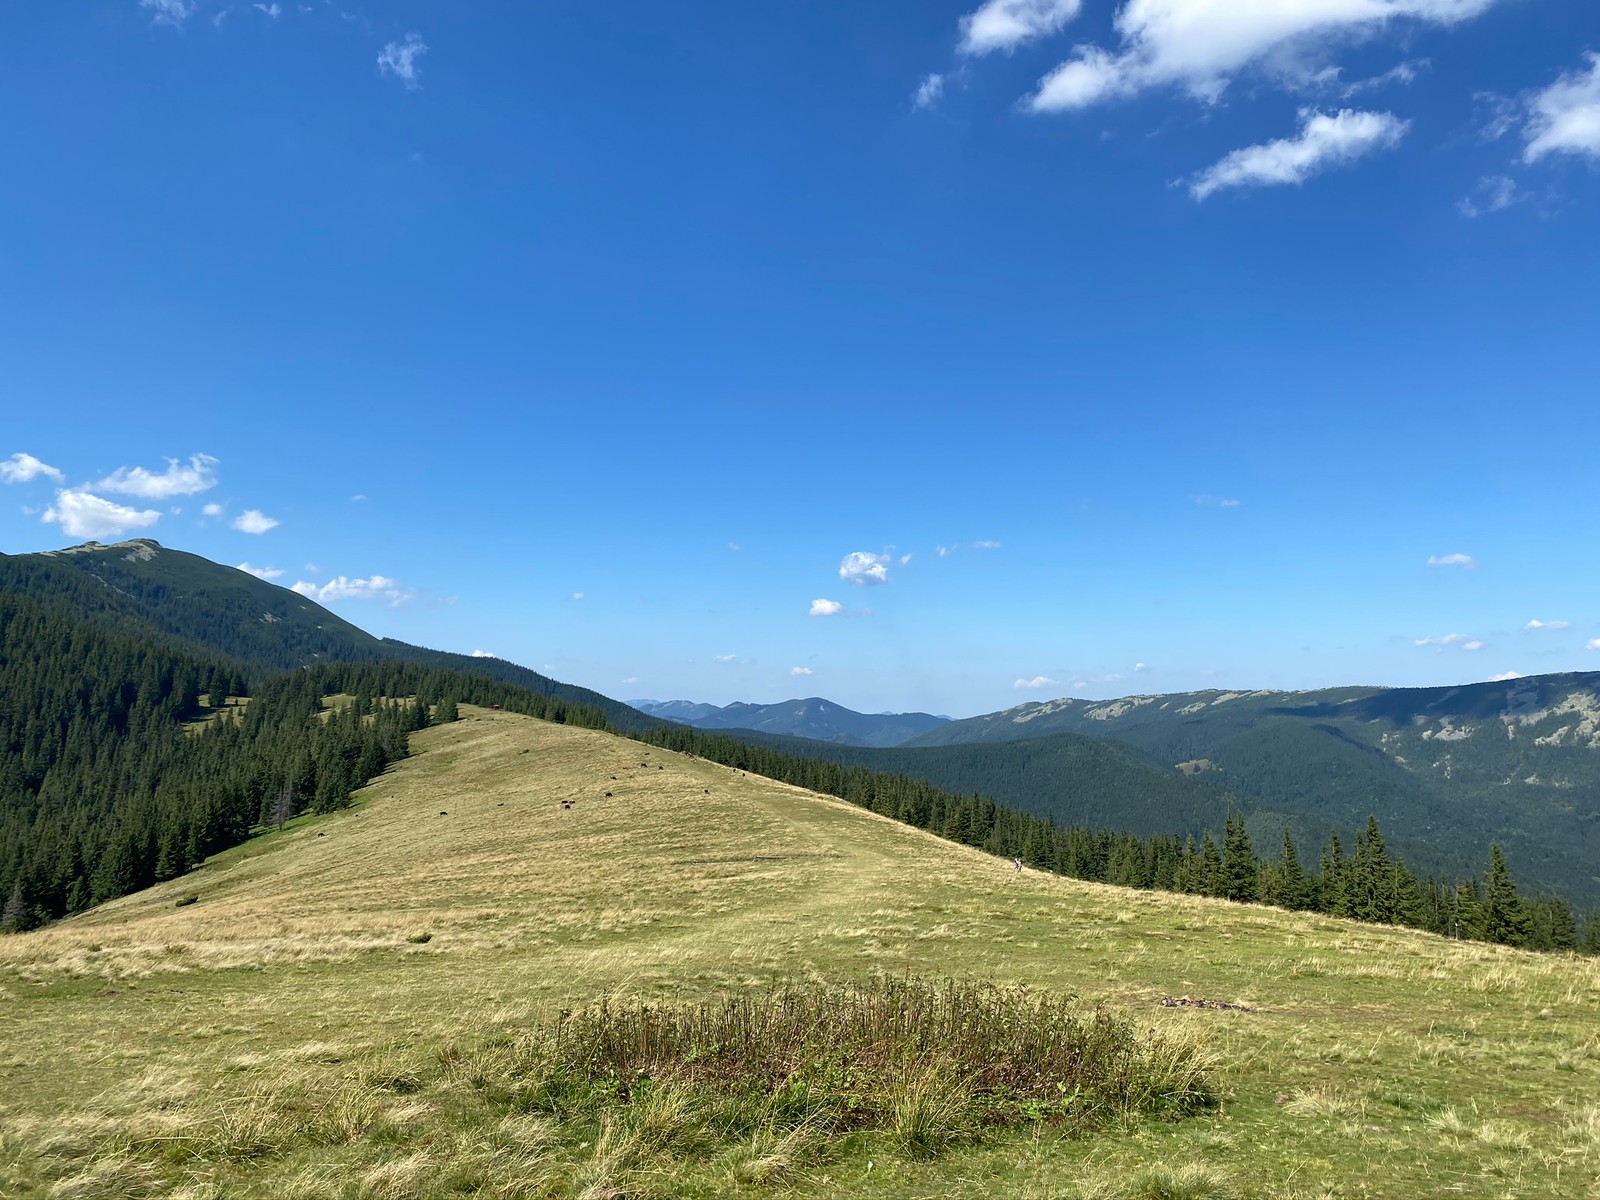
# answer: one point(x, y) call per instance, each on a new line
point(1536, 625)
point(484, 654)
point(825, 608)
point(863, 569)
point(168, 12)
point(341, 587)
point(261, 572)
point(253, 520)
point(1140, 667)
point(1592, 644)
point(400, 59)
point(1465, 561)
point(928, 92)
point(1324, 140)
point(1492, 194)
point(801, 671)
point(1201, 45)
point(24, 468)
point(212, 510)
point(1038, 681)
point(1505, 677)
point(82, 514)
point(1565, 117)
point(177, 480)
point(1007, 24)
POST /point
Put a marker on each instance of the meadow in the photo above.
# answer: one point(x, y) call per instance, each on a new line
point(353, 1007)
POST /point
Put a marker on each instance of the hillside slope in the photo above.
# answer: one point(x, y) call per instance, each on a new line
point(1452, 768)
point(297, 992)
point(813, 718)
point(142, 589)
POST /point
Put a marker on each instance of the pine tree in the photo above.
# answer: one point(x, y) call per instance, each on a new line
point(1239, 875)
point(1335, 901)
point(1505, 920)
point(1293, 876)
point(1211, 877)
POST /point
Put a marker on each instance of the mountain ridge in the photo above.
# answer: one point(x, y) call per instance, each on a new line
point(814, 718)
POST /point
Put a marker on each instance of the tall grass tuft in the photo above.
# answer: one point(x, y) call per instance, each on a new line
point(927, 1062)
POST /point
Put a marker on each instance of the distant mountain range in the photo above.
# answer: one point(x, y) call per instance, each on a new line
point(813, 718)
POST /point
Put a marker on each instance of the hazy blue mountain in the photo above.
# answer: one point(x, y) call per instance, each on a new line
point(813, 718)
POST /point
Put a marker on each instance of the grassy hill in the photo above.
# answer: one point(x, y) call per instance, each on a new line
point(342, 1008)
point(1445, 768)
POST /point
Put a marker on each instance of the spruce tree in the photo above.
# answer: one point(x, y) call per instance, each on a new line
point(1293, 885)
point(1505, 920)
point(1211, 878)
point(1239, 874)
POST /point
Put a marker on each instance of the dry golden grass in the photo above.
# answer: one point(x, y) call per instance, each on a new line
point(291, 1030)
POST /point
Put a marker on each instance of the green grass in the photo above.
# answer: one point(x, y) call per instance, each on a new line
point(288, 1036)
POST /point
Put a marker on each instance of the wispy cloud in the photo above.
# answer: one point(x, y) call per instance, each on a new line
point(1491, 194)
point(1038, 681)
point(1465, 561)
point(725, 658)
point(253, 520)
point(1536, 625)
point(1441, 641)
point(24, 468)
point(825, 608)
point(578, 595)
point(168, 12)
point(341, 587)
point(271, 10)
point(1324, 140)
point(864, 569)
point(1202, 45)
point(261, 572)
point(1564, 118)
point(1404, 74)
point(1007, 24)
point(400, 59)
point(82, 514)
point(801, 671)
point(1206, 500)
point(928, 92)
point(199, 475)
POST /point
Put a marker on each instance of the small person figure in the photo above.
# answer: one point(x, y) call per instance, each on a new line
point(1018, 865)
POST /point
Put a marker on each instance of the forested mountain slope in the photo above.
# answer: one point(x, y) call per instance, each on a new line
point(1517, 762)
point(815, 718)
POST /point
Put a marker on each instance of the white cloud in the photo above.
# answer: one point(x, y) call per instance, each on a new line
point(1535, 625)
point(726, 658)
point(1505, 677)
point(484, 654)
point(1592, 644)
point(168, 12)
point(400, 59)
point(1474, 644)
point(1200, 45)
point(1491, 194)
point(24, 468)
point(272, 10)
point(1404, 74)
point(260, 572)
point(253, 520)
point(1038, 681)
point(359, 498)
point(825, 608)
point(928, 92)
point(1441, 640)
point(177, 480)
point(631, 679)
point(863, 569)
point(212, 510)
point(1324, 140)
point(1205, 500)
point(1465, 561)
point(801, 671)
point(944, 551)
point(1007, 24)
point(577, 595)
point(735, 547)
point(82, 514)
point(1140, 667)
point(1565, 117)
point(905, 558)
point(986, 545)
point(340, 587)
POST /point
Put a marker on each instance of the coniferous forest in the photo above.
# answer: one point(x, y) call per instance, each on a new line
point(126, 760)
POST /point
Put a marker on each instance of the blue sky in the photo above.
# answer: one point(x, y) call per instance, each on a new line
point(620, 339)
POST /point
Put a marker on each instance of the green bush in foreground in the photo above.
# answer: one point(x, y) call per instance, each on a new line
point(927, 1063)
